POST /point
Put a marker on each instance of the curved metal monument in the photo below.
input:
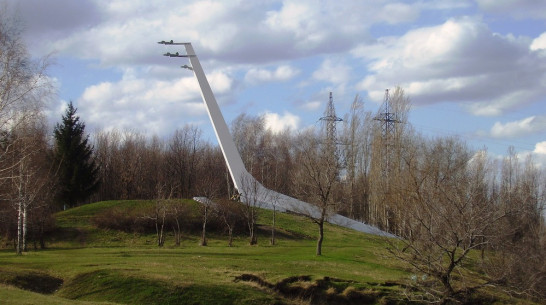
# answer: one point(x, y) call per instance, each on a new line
point(245, 183)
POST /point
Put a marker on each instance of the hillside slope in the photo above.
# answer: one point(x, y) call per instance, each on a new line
point(100, 266)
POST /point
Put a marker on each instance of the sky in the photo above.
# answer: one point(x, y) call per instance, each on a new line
point(474, 69)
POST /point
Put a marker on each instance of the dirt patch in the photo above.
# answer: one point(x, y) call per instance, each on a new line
point(255, 279)
point(322, 291)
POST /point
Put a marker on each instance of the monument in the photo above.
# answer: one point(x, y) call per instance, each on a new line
point(241, 178)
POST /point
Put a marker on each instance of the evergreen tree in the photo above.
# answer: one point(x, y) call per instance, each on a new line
point(77, 167)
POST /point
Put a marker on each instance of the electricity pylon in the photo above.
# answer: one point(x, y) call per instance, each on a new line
point(388, 121)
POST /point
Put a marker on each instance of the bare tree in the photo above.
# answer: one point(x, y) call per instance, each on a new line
point(231, 213)
point(392, 134)
point(205, 208)
point(25, 192)
point(211, 184)
point(23, 82)
point(177, 213)
point(161, 211)
point(182, 157)
point(267, 155)
point(24, 87)
point(273, 225)
point(357, 139)
point(448, 217)
point(248, 133)
point(29, 175)
point(352, 147)
point(519, 247)
point(316, 179)
point(130, 165)
point(279, 170)
point(131, 157)
point(107, 151)
point(251, 191)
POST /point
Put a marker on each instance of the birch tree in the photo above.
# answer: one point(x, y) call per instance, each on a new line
point(391, 135)
point(24, 194)
point(357, 139)
point(24, 86)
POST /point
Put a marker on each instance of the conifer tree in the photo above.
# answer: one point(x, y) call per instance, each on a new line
point(77, 167)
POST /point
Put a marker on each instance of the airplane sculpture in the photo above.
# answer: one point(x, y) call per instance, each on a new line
point(247, 186)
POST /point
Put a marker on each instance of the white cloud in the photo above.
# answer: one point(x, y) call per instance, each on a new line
point(516, 8)
point(443, 4)
point(311, 105)
point(148, 105)
point(530, 125)
point(46, 21)
point(459, 61)
point(539, 42)
point(297, 17)
point(500, 105)
point(336, 72)
point(394, 13)
point(282, 73)
point(123, 32)
point(330, 26)
point(538, 155)
point(277, 123)
point(540, 148)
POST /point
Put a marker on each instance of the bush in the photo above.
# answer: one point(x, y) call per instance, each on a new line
point(142, 219)
point(124, 219)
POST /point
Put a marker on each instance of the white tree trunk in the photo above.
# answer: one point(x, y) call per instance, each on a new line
point(19, 227)
point(24, 224)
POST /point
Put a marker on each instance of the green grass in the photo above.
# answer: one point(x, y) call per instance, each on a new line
point(100, 266)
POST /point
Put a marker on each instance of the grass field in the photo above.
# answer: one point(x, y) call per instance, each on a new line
point(111, 267)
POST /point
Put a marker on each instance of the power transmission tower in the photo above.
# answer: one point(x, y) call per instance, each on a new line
point(330, 145)
point(388, 121)
point(387, 118)
point(330, 120)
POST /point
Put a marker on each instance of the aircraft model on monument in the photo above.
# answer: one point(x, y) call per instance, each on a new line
point(241, 178)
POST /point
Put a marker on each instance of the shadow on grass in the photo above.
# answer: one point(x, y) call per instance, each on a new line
point(114, 286)
point(32, 281)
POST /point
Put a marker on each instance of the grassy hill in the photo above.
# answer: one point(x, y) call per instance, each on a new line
point(88, 265)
